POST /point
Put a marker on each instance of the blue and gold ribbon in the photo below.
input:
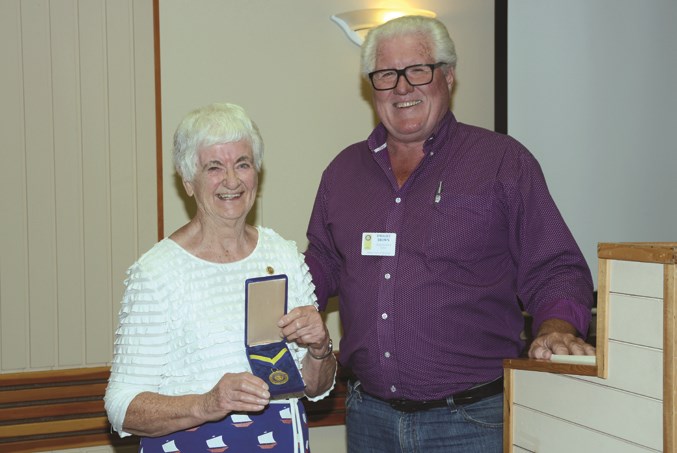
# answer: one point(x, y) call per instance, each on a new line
point(271, 360)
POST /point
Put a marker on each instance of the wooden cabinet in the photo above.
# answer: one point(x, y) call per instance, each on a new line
point(627, 401)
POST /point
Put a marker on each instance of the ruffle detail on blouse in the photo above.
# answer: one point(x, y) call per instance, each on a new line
point(182, 319)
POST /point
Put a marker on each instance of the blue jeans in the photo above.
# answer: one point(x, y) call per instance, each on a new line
point(373, 426)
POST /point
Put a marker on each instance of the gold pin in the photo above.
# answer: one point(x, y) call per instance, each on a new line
point(270, 270)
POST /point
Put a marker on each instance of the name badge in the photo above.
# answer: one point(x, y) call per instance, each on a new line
point(379, 244)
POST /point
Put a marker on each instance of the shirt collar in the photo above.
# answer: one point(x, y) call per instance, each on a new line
point(377, 139)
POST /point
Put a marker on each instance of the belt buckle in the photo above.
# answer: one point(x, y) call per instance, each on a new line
point(401, 405)
point(463, 400)
point(478, 393)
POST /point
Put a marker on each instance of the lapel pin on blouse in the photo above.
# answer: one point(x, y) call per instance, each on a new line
point(270, 270)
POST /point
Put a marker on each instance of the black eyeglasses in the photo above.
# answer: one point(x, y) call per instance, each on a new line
point(415, 75)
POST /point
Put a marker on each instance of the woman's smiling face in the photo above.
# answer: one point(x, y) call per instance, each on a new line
point(225, 181)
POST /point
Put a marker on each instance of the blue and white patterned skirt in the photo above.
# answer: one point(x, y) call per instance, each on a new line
point(281, 428)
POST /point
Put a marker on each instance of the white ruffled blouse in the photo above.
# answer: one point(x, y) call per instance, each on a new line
point(182, 319)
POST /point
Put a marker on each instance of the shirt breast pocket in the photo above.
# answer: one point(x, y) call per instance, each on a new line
point(459, 227)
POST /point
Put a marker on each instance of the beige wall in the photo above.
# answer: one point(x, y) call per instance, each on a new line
point(77, 177)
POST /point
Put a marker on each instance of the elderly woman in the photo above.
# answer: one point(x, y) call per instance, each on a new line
point(180, 377)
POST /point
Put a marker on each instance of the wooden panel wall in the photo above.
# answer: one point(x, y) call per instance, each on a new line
point(633, 409)
point(78, 174)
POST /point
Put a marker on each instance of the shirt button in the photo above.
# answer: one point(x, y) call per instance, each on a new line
point(393, 389)
point(387, 276)
point(384, 316)
point(398, 200)
point(387, 354)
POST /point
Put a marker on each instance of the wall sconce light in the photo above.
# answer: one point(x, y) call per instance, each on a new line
point(356, 24)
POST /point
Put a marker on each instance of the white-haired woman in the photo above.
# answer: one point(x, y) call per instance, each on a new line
point(180, 377)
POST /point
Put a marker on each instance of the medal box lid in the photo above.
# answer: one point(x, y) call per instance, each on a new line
point(265, 304)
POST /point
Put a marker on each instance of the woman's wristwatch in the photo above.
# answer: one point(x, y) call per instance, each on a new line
point(330, 348)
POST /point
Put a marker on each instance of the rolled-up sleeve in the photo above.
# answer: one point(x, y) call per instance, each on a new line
point(554, 280)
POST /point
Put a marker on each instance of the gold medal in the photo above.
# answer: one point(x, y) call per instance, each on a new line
point(278, 377)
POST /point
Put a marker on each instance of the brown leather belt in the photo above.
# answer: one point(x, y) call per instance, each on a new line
point(469, 396)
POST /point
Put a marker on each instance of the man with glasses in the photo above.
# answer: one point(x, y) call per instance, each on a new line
point(435, 235)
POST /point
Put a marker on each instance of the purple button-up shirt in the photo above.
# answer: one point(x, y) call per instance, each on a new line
point(476, 230)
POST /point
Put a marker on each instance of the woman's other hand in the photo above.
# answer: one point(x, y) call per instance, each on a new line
point(235, 392)
point(305, 326)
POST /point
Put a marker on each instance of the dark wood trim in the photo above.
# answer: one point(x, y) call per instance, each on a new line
point(158, 121)
point(63, 409)
point(501, 66)
point(54, 410)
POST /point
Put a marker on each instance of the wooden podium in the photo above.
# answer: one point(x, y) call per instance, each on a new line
point(627, 401)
